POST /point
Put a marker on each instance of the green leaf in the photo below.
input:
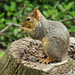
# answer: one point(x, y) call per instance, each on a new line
point(27, 2)
point(72, 29)
point(9, 13)
point(13, 6)
point(0, 4)
point(29, 9)
point(45, 13)
point(65, 5)
point(6, 7)
point(8, 21)
point(19, 0)
point(68, 16)
point(15, 30)
point(19, 36)
point(1, 54)
point(15, 14)
point(2, 37)
point(9, 43)
point(60, 7)
point(70, 5)
point(46, 6)
point(2, 14)
point(72, 13)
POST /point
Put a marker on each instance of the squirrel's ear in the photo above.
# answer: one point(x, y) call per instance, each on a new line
point(36, 14)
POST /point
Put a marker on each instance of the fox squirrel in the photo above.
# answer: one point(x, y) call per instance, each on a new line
point(53, 34)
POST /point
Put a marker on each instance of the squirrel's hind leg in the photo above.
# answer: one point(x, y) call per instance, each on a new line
point(49, 59)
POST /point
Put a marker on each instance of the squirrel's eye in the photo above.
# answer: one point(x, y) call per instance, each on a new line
point(28, 19)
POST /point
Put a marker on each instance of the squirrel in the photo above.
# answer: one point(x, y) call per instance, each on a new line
point(53, 35)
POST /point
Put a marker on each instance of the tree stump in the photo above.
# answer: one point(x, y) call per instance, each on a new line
point(23, 58)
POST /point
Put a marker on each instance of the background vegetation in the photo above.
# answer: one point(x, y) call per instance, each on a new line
point(51, 9)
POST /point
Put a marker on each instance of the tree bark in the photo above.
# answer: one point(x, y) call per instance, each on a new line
point(23, 58)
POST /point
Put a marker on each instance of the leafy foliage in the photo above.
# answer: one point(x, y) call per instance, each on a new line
point(1, 54)
point(51, 9)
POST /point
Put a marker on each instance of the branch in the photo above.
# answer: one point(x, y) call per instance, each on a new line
point(67, 19)
point(5, 34)
point(16, 25)
point(54, 8)
point(19, 14)
point(6, 28)
point(56, 5)
point(13, 21)
point(3, 44)
point(9, 27)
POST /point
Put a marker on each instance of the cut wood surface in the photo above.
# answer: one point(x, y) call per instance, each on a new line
point(23, 58)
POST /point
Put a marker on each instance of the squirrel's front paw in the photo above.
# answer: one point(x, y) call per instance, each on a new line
point(21, 29)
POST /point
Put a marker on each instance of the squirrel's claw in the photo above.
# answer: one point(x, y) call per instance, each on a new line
point(47, 60)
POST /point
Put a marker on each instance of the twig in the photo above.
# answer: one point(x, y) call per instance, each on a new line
point(54, 7)
point(4, 34)
point(67, 19)
point(9, 27)
point(19, 14)
point(16, 25)
point(3, 44)
point(6, 28)
point(12, 22)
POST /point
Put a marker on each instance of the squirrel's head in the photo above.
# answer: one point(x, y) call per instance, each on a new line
point(31, 19)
